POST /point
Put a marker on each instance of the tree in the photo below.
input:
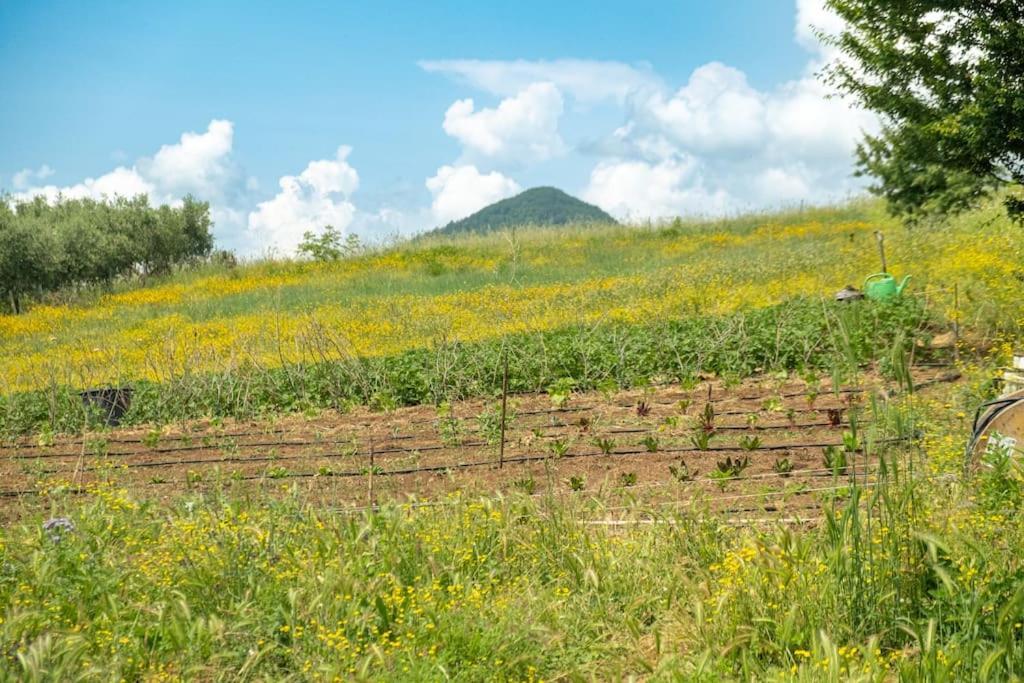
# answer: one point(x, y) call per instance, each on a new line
point(328, 245)
point(947, 79)
point(82, 242)
point(27, 257)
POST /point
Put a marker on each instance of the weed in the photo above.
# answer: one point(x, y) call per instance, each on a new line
point(527, 485)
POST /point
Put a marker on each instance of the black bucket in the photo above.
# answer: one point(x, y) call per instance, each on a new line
point(111, 403)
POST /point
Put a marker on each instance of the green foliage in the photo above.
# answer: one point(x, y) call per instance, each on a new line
point(701, 439)
point(536, 206)
point(750, 443)
point(81, 242)
point(328, 245)
point(558, 447)
point(682, 472)
point(835, 459)
point(544, 361)
point(783, 466)
point(946, 79)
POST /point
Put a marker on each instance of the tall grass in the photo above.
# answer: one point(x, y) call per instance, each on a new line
point(910, 577)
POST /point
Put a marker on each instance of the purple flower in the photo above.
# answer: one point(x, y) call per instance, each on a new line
point(56, 527)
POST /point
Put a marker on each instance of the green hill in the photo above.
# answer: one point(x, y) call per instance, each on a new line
point(536, 206)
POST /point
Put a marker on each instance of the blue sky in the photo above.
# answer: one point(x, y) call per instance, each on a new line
point(394, 117)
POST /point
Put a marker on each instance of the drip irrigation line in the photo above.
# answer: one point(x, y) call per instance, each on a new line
point(404, 437)
point(527, 458)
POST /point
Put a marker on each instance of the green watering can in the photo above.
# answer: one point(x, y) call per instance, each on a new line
point(882, 286)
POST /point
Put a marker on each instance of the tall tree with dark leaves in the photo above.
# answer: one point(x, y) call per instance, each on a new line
point(947, 79)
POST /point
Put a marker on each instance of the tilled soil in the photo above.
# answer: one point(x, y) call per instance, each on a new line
point(619, 451)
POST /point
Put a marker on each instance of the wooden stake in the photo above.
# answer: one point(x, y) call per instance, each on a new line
point(370, 475)
point(504, 405)
point(956, 322)
point(881, 249)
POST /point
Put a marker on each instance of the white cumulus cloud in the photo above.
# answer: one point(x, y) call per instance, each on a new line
point(521, 128)
point(317, 197)
point(718, 137)
point(634, 189)
point(459, 191)
point(199, 163)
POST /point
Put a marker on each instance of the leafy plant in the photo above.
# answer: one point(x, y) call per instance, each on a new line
point(701, 439)
point(448, 427)
point(834, 459)
point(783, 466)
point(750, 443)
point(561, 391)
point(276, 472)
point(558, 447)
point(527, 485)
point(605, 444)
point(627, 479)
point(682, 472)
point(733, 467)
point(707, 418)
point(650, 442)
point(643, 409)
point(577, 482)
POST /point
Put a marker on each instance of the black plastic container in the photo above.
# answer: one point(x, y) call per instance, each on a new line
point(111, 403)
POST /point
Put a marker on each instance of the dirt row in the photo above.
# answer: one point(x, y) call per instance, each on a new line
point(664, 445)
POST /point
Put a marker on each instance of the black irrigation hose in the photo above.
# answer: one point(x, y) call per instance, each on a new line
point(465, 465)
point(399, 437)
point(944, 378)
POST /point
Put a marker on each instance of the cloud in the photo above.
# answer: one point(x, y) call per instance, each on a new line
point(638, 189)
point(588, 81)
point(715, 112)
point(317, 197)
point(718, 138)
point(523, 127)
point(812, 17)
point(24, 178)
point(121, 182)
point(200, 163)
point(459, 191)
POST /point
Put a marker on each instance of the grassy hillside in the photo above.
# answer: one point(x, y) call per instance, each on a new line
point(536, 206)
point(229, 339)
point(869, 553)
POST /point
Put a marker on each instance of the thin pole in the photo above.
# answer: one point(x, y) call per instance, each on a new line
point(881, 249)
point(504, 406)
point(370, 475)
point(956, 322)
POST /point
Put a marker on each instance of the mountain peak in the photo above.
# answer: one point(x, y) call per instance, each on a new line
point(536, 206)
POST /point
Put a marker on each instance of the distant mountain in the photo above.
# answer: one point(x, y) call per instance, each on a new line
point(536, 206)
